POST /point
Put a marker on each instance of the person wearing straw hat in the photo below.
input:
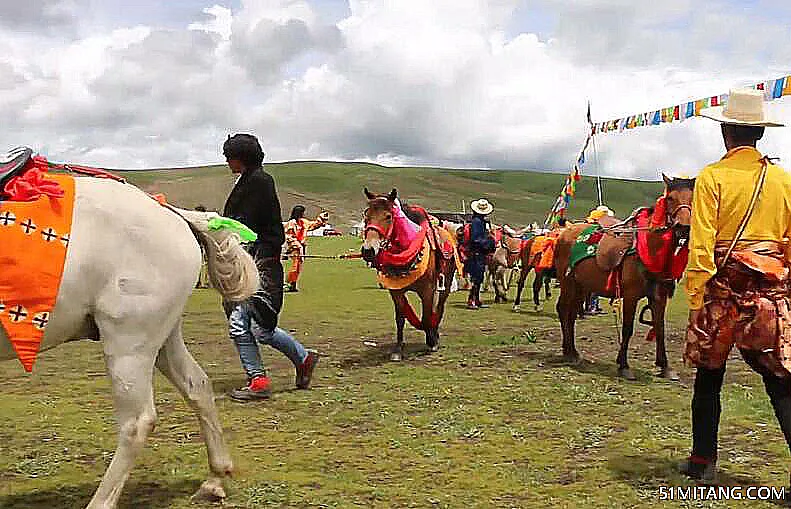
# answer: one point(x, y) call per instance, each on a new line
point(478, 245)
point(738, 274)
point(592, 306)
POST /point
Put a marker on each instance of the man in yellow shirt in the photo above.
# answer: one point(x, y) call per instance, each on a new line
point(738, 275)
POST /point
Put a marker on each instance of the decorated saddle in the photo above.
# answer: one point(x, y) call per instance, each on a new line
point(35, 229)
point(400, 265)
point(652, 242)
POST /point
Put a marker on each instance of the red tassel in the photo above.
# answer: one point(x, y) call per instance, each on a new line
point(651, 336)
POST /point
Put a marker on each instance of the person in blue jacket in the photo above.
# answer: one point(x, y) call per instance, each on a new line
point(479, 245)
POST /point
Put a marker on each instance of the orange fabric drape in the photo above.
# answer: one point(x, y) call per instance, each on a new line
point(34, 238)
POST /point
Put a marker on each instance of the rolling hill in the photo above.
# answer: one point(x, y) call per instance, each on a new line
point(519, 197)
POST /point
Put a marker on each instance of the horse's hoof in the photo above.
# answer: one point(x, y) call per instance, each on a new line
point(433, 348)
point(668, 374)
point(395, 357)
point(572, 358)
point(517, 308)
point(627, 374)
point(211, 491)
point(539, 309)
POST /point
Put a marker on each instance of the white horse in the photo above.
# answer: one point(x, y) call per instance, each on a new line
point(130, 267)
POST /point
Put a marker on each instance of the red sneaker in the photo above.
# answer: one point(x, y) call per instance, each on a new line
point(258, 388)
point(305, 371)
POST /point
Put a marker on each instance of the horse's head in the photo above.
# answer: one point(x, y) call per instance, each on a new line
point(378, 219)
point(678, 192)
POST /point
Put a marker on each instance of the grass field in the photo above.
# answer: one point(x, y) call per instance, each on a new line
point(494, 419)
point(519, 197)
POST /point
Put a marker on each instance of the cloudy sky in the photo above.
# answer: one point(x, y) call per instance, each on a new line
point(456, 83)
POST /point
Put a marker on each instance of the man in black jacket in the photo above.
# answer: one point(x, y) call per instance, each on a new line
point(253, 201)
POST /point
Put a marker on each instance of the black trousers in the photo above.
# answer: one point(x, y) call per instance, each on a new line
point(706, 408)
point(266, 303)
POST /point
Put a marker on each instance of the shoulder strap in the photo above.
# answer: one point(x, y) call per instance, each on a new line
point(750, 209)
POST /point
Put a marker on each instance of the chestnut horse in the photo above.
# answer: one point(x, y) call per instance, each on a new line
point(542, 277)
point(387, 223)
point(636, 281)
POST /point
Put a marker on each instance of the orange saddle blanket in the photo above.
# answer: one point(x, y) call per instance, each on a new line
point(34, 238)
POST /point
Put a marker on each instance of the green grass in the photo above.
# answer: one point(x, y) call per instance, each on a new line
point(492, 420)
point(520, 197)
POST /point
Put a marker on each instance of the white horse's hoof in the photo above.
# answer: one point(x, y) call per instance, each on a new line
point(395, 357)
point(539, 309)
point(517, 308)
point(211, 490)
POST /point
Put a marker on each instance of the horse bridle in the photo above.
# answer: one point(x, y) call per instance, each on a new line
point(670, 219)
point(385, 235)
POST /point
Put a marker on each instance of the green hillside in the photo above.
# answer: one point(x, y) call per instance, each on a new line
point(520, 197)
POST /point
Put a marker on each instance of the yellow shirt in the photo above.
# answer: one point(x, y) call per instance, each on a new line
point(722, 195)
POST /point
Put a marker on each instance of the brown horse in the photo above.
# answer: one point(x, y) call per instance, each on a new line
point(636, 281)
point(386, 225)
point(542, 277)
point(505, 257)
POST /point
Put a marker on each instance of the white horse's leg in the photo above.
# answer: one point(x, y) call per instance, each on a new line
point(178, 365)
point(131, 375)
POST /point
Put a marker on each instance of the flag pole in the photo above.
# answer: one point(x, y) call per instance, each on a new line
point(595, 156)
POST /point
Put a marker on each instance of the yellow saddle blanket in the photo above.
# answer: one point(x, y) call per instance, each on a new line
point(34, 238)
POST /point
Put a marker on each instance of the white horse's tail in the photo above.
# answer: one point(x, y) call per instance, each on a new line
point(231, 269)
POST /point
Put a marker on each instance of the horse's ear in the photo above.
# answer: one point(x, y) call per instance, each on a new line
point(667, 179)
point(368, 194)
point(393, 194)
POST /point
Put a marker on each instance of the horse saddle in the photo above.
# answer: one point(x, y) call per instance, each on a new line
point(13, 163)
point(613, 248)
point(441, 241)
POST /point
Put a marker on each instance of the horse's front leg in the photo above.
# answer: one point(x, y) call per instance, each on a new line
point(131, 376)
point(429, 314)
point(627, 329)
point(520, 286)
point(658, 307)
point(399, 301)
point(537, 290)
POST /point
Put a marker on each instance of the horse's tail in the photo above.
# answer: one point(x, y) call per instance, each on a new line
point(231, 269)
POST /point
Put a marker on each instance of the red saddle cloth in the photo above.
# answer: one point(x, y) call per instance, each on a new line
point(659, 259)
point(402, 258)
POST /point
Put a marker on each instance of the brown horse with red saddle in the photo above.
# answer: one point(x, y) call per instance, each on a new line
point(410, 254)
point(643, 256)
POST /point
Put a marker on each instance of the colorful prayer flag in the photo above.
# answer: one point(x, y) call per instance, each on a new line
point(777, 91)
point(787, 87)
point(676, 112)
point(657, 118)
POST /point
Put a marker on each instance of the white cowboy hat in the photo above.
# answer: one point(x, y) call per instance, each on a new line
point(482, 207)
point(745, 106)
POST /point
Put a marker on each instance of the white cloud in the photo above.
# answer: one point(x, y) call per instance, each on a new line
point(442, 82)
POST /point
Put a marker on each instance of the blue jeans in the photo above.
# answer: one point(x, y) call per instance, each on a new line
point(246, 334)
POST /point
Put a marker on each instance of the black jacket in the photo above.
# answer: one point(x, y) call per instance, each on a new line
point(253, 201)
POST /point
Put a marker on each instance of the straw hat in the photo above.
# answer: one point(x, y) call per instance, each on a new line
point(745, 107)
point(599, 212)
point(482, 207)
